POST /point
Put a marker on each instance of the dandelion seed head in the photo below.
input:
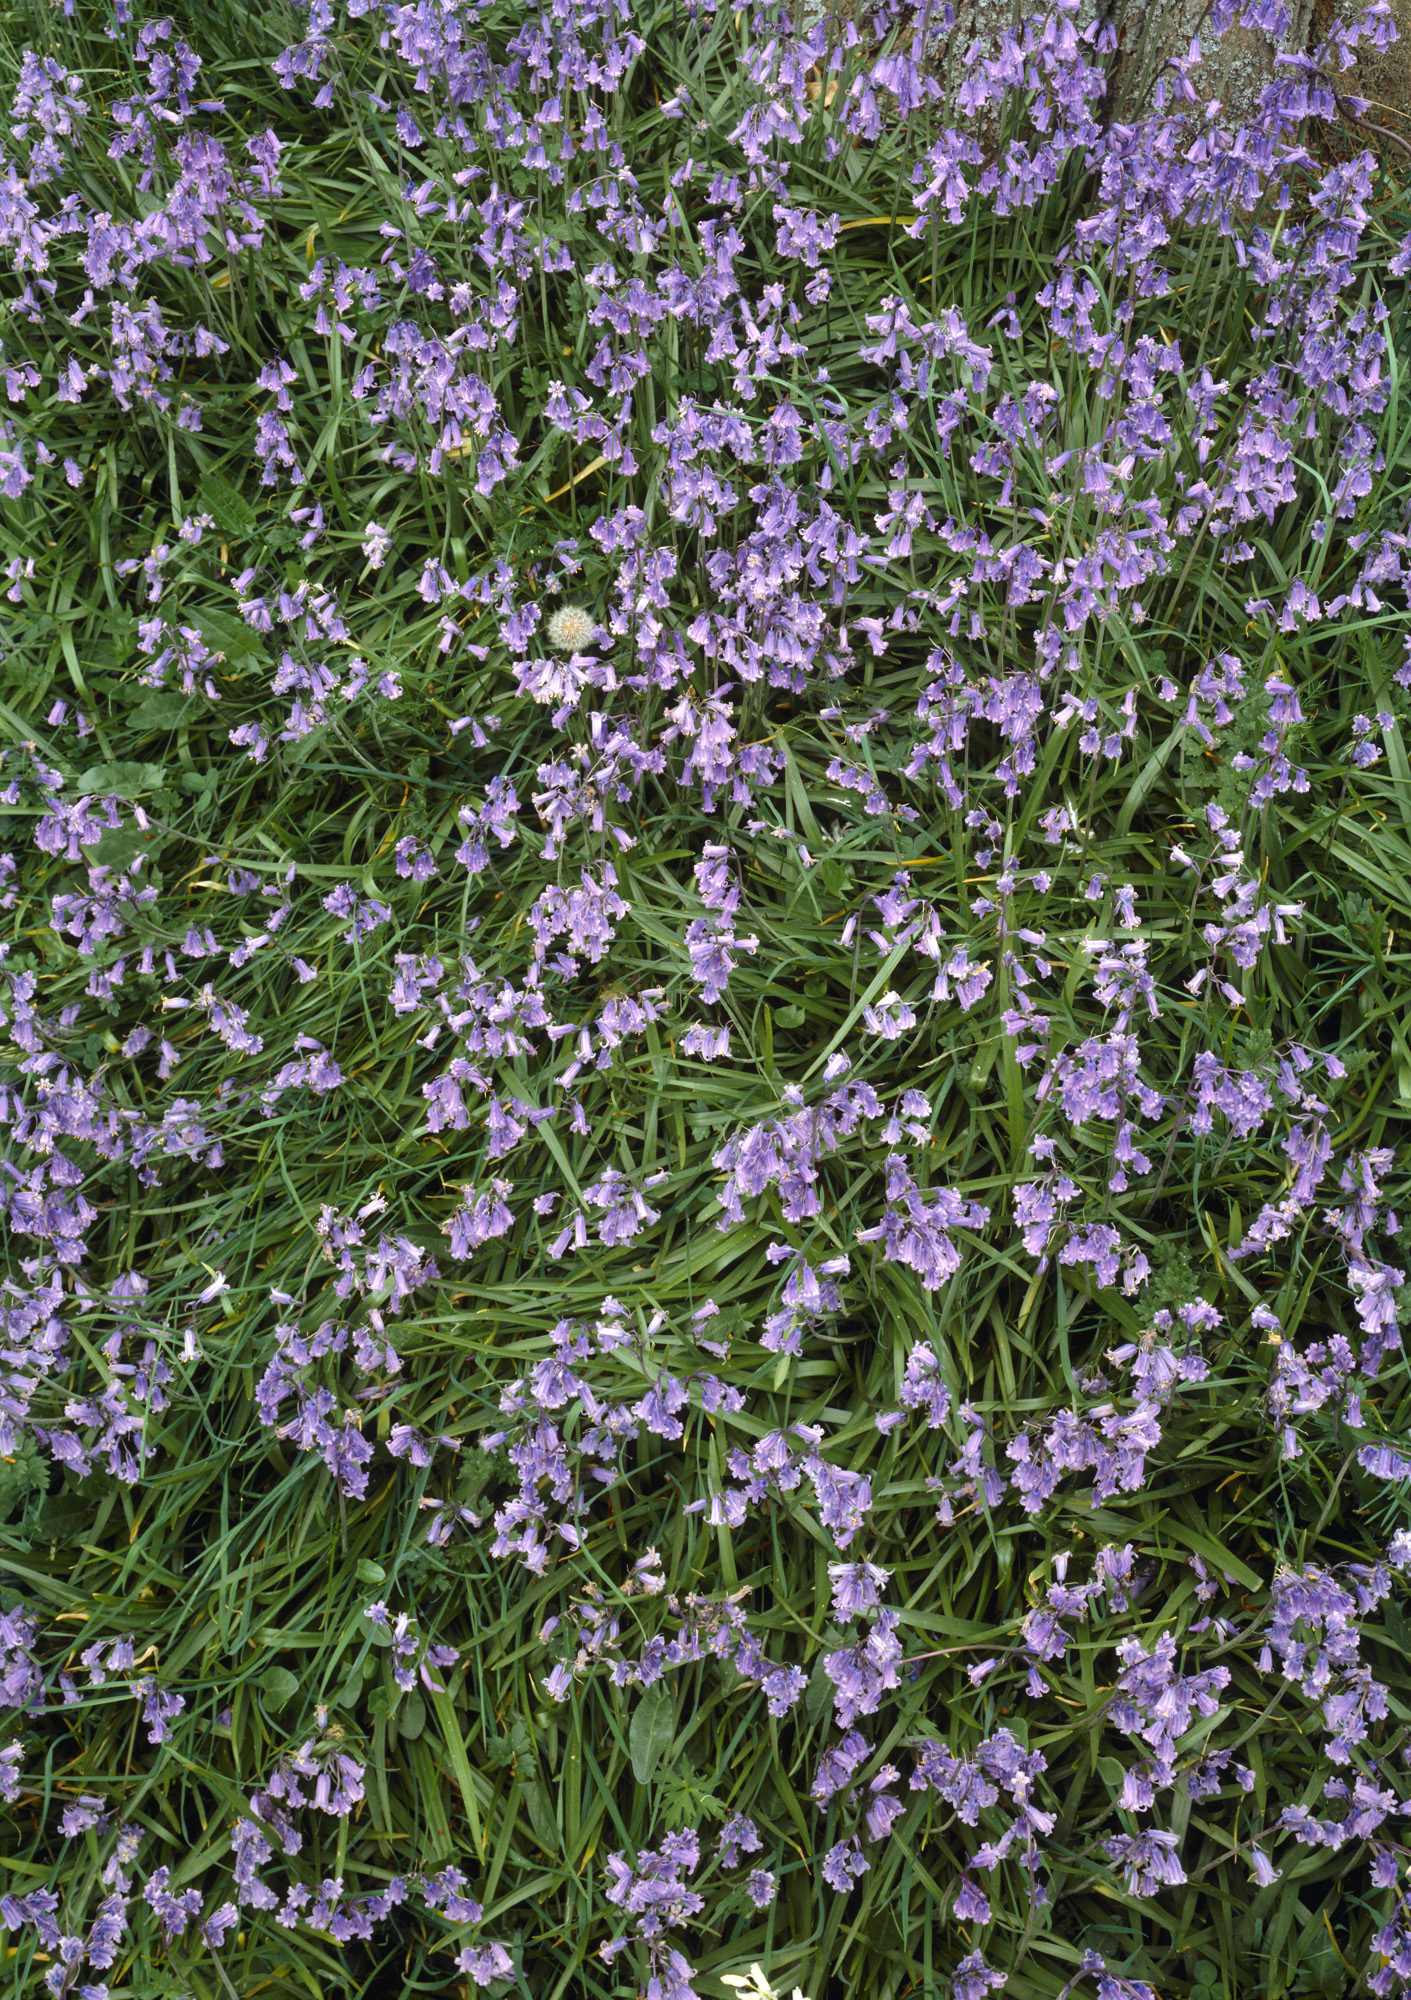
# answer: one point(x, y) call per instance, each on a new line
point(571, 628)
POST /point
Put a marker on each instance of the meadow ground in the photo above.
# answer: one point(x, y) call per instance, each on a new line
point(706, 879)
